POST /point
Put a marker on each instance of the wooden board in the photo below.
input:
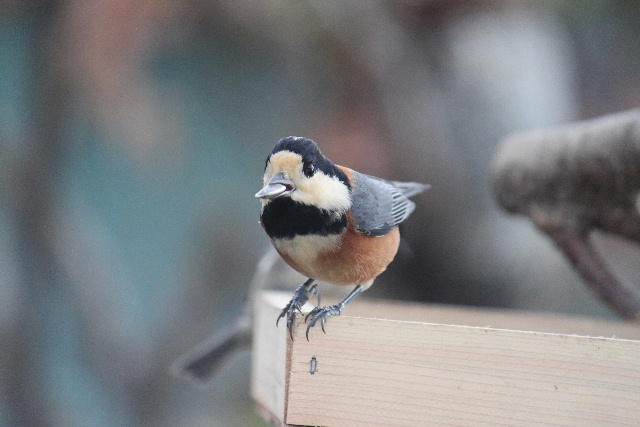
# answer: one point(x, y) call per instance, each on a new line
point(373, 372)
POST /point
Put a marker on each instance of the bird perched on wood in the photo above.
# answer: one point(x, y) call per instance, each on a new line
point(329, 222)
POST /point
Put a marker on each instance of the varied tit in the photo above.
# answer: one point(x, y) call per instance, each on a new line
point(329, 222)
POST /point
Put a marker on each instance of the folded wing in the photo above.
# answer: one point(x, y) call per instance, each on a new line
point(379, 205)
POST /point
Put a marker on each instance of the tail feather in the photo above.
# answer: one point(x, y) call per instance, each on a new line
point(204, 361)
point(410, 189)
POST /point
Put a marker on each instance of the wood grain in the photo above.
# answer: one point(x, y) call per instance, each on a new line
point(269, 359)
point(380, 372)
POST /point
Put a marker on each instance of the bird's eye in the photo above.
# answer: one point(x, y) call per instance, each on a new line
point(309, 169)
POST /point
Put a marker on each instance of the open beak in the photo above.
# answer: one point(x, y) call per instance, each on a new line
point(278, 186)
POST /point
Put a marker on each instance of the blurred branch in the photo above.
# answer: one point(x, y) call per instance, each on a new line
point(579, 249)
point(32, 201)
point(572, 180)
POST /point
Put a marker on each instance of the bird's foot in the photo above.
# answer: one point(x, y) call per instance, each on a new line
point(322, 314)
point(300, 298)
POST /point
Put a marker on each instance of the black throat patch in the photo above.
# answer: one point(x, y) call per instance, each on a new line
point(285, 218)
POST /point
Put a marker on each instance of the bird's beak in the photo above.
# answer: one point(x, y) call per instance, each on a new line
point(278, 186)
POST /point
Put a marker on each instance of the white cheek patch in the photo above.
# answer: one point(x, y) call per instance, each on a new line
point(322, 191)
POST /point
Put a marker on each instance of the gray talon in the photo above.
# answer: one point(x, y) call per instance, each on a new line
point(300, 298)
point(322, 314)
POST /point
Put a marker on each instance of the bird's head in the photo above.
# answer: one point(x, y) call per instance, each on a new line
point(297, 169)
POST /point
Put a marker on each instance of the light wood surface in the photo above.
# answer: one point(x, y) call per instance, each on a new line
point(269, 359)
point(407, 372)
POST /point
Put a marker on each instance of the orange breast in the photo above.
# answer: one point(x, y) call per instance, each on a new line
point(359, 259)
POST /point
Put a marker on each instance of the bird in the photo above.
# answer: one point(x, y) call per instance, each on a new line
point(330, 223)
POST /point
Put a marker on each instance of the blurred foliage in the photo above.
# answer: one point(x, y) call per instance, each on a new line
point(133, 135)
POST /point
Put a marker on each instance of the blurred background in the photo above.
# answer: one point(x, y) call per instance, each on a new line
point(133, 135)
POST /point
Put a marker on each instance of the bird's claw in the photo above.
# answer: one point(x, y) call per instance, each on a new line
point(290, 311)
point(322, 314)
point(300, 298)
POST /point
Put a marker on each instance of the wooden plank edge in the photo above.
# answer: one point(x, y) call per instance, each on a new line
point(269, 304)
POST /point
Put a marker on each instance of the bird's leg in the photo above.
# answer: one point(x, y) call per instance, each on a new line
point(300, 297)
point(323, 313)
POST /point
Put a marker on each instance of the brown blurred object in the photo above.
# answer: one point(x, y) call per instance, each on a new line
point(575, 179)
point(105, 49)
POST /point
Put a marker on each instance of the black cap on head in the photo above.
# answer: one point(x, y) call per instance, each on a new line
point(311, 156)
point(306, 147)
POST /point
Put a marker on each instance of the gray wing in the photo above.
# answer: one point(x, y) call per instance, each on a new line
point(379, 205)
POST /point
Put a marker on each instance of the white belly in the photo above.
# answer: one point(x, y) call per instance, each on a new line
point(304, 250)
